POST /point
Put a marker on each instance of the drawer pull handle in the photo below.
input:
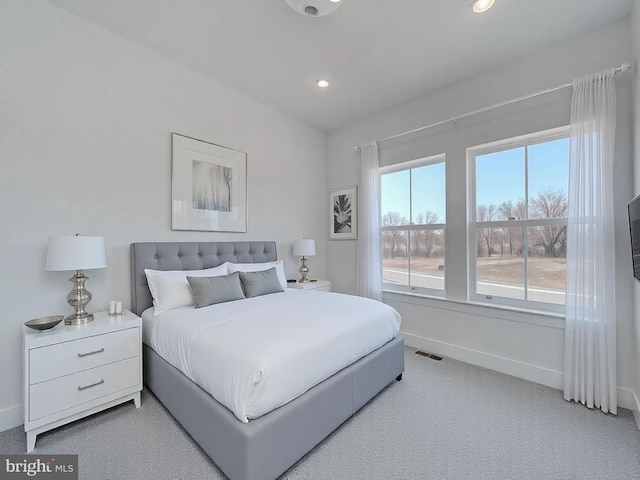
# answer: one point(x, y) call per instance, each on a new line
point(92, 385)
point(91, 353)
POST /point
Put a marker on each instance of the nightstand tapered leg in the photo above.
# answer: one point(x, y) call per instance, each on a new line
point(31, 441)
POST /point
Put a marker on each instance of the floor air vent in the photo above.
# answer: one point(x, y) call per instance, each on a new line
point(428, 355)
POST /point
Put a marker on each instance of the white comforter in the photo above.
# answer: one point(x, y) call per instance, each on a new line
point(257, 354)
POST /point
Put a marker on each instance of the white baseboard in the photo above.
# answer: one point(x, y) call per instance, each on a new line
point(11, 417)
point(636, 408)
point(534, 373)
point(628, 399)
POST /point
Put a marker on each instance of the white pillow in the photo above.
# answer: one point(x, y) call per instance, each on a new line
point(259, 267)
point(170, 289)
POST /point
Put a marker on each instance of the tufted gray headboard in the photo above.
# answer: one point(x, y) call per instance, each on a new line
point(188, 256)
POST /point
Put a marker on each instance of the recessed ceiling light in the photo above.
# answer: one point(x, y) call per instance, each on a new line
point(480, 6)
point(322, 83)
point(314, 8)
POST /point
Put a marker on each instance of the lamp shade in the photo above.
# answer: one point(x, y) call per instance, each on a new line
point(75, 253)
point(304, 247)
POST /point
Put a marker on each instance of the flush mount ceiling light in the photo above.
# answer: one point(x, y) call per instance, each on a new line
point(314, 8)
point(322, 83)
point(481, 6)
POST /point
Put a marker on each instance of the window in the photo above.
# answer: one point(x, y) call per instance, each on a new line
point(413, 225)
point(518, 221)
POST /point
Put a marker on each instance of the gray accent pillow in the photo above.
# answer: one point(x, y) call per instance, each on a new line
point(260, 283)
point(211, 290)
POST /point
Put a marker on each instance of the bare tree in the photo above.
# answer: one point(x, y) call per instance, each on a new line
point(393, 238)
point(512, 236)
point(423, 240)
point(486, 213)
point(550, 204)
point(510, 211)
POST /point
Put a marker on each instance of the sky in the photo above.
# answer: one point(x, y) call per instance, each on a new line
point(500, 177)
point(428, 191)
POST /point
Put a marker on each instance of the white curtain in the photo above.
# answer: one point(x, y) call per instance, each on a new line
point(369, 263)
point(590, 328)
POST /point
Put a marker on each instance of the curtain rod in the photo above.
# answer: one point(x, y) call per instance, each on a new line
point(624, 68)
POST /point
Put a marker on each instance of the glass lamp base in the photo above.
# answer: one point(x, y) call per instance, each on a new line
point(304, 270)
point(78, 298)
point(79, 319)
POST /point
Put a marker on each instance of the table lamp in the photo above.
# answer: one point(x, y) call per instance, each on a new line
point(305, 247)
point(76, 253)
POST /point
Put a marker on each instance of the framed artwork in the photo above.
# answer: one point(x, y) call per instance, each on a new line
point(343, 213)
point(208, 186)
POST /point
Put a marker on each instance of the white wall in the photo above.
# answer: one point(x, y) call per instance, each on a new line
point(521, 344)
point(85, 124)
point(635, 50)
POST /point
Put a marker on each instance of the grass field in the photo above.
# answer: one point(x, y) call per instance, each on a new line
point(549, 273)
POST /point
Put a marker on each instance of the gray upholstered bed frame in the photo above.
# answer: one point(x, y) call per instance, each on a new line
point(266, 447)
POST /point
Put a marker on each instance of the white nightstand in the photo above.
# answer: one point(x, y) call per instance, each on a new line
point(320, 285)
point(72, 371)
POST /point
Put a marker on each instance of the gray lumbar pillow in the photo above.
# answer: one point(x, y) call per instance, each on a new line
point(260, 283)
point(210, 290)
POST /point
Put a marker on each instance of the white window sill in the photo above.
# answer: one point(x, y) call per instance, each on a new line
point(544, 319)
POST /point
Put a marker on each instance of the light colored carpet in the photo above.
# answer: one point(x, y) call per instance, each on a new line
point(445, 420)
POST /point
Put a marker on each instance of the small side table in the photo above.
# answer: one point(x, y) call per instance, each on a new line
point(319, 285)
point(72, 371)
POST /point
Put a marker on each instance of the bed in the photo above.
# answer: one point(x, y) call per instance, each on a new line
point(267, 446)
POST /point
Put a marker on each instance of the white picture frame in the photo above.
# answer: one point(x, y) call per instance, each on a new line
point(208, 186)
point(343, 213)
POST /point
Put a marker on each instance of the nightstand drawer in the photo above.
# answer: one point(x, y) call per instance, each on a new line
point(66, 392)
point(77, 355)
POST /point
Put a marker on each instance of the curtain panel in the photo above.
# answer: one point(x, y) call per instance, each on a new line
point(369, 261)
point(590, 327)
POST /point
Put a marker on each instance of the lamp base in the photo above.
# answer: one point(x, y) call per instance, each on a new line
point(78, 298)
point(304, 270)
point(79, 320)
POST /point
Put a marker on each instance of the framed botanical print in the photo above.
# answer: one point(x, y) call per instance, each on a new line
point(208, 186)
point(343, 215)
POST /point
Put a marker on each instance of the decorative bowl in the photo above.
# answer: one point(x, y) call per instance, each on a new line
point(44, 323)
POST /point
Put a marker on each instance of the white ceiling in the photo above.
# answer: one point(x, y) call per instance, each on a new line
point(376, 53)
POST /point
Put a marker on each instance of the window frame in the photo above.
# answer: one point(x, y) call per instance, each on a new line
point(399, 167)
point(527, 140)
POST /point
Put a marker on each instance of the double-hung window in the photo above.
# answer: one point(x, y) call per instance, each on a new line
point(413, 226)
point(518, 209)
